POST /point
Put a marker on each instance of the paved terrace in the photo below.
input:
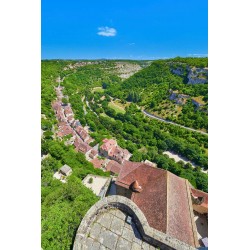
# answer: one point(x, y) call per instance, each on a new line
point(110, 231)
point(104, 227)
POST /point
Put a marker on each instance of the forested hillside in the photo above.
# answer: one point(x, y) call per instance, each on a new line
point(174, 89)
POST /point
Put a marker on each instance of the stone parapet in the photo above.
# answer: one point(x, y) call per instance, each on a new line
point(149, 234)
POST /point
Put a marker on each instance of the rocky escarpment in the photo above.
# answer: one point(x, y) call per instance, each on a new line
point(181, 99)
point(80, 64)
point(193, 75)
point(197, 76)
point(124, 70)
point(178, 98)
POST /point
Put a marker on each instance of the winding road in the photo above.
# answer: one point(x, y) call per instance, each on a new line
point(163, 120)
point(87, 102)
point(170, 122)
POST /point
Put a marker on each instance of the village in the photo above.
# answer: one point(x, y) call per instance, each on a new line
point(170, 204)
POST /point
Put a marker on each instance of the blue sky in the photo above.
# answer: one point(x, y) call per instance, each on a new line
point(138, 29)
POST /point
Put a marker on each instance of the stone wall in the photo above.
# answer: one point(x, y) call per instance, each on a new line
point(123, 192)
point(149, 234)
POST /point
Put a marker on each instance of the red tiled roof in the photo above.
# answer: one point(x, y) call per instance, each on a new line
point(97, 163)
point(82, 133)
point(61, 124)
point(81, 146)
point(68, 110)
point(93, 153)
point(199, 193)
point(119, 153)
point(163, 199)
point(108, 144)
point(114, 167)
point(56, 105)
point(84, 147)
point(65, 130)
point(128, 166)
point(70, 118)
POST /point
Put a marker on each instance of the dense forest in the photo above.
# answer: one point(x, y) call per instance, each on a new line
point(95, 91)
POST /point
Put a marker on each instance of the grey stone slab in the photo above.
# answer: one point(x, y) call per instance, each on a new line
point(108, 238)
point(135, 246)
point(145, 246)
point(123, 244)
point(117, 226)
point(105, 220)
point(120, 214)
point(102, 247)
point(138, 241)
point(112, 211)
point(95, 230)
point(96, 245)
point(88, 244)
point(128, 234)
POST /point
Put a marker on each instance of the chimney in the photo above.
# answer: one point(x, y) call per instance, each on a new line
point(197, 200)
point(136, 187)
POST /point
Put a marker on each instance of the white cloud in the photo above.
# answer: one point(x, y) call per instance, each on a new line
point(106, 31)
point(197, 55)
point(131, 44)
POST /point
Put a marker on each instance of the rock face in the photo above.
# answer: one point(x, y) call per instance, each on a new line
point(125, 70)
point(194, 75)
point(79, 64)
point(178, 71)
point(178, 98)
point(197, 104)
point(197, 76)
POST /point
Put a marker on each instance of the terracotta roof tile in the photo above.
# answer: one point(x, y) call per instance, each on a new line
point(164, 199)
point(108, 144)
point(114, 167)
point(97, 163)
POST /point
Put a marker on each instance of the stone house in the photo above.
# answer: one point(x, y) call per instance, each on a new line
point(82, 133)
point(68, 111)
point(65, 170)
point(107, 146)
point(111, 150)
point(114, 167)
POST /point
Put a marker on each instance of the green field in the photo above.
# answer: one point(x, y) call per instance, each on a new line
point(104, 115)
point(117, 108)
point(97, 89)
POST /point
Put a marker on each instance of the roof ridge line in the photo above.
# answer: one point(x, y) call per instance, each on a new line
point(167, 177)
point(130, 170)
point(194, 228)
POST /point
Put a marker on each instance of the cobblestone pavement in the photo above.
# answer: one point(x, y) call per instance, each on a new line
point(110, 231)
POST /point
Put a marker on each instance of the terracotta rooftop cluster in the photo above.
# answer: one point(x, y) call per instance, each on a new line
point(68, 125)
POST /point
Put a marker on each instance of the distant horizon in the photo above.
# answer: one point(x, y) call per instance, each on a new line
point(122, 59)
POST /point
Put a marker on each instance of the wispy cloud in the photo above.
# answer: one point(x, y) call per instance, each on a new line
point(130, 44)
point(106, 31)
point(197, 55)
